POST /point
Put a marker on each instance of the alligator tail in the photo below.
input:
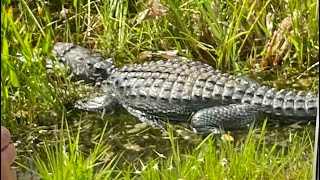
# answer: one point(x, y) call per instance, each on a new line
point(284, 103)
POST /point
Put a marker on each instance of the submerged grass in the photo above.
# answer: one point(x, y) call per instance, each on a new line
point(250, 158)
point(213, 158)
point(269, 38)
point(64, 159)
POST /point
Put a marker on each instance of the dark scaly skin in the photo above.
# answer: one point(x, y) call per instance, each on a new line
point(175, 89)
point(85, 64)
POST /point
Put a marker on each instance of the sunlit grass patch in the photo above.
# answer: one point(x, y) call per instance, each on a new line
point(64, 158)
point(251, 158)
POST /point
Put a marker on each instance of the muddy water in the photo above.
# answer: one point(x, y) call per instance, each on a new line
point(125, 134)
point(128, 135)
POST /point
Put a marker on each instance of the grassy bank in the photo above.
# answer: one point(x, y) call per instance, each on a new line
point(251, 157)
point(275, 42)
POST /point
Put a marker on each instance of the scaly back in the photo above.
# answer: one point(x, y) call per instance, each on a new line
point(186, 86)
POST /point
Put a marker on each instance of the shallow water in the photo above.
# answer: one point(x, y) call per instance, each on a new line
point(128, 135)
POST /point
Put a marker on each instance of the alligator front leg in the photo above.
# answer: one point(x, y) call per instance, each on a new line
point(152, 120)
point(97, 103)
point(229, 117)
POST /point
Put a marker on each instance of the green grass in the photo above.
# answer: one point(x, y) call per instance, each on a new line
point(249, 158)
point(214, 158)
point(64, 159)
point(234, 36)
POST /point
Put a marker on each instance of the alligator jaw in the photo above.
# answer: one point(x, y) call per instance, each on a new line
point(86, 65)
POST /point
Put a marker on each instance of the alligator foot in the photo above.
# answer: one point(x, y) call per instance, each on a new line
point(234, 116)
point(96, 103)
point(146, 118)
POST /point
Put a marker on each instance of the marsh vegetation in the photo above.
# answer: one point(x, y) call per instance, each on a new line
point(273, 42)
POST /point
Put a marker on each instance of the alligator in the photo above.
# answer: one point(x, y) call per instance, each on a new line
point(182, 90)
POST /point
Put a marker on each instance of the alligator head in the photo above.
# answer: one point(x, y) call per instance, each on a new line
point(86, 65)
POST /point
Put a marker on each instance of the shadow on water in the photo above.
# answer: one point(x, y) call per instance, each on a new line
point(125, 134)
point(128, 136)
